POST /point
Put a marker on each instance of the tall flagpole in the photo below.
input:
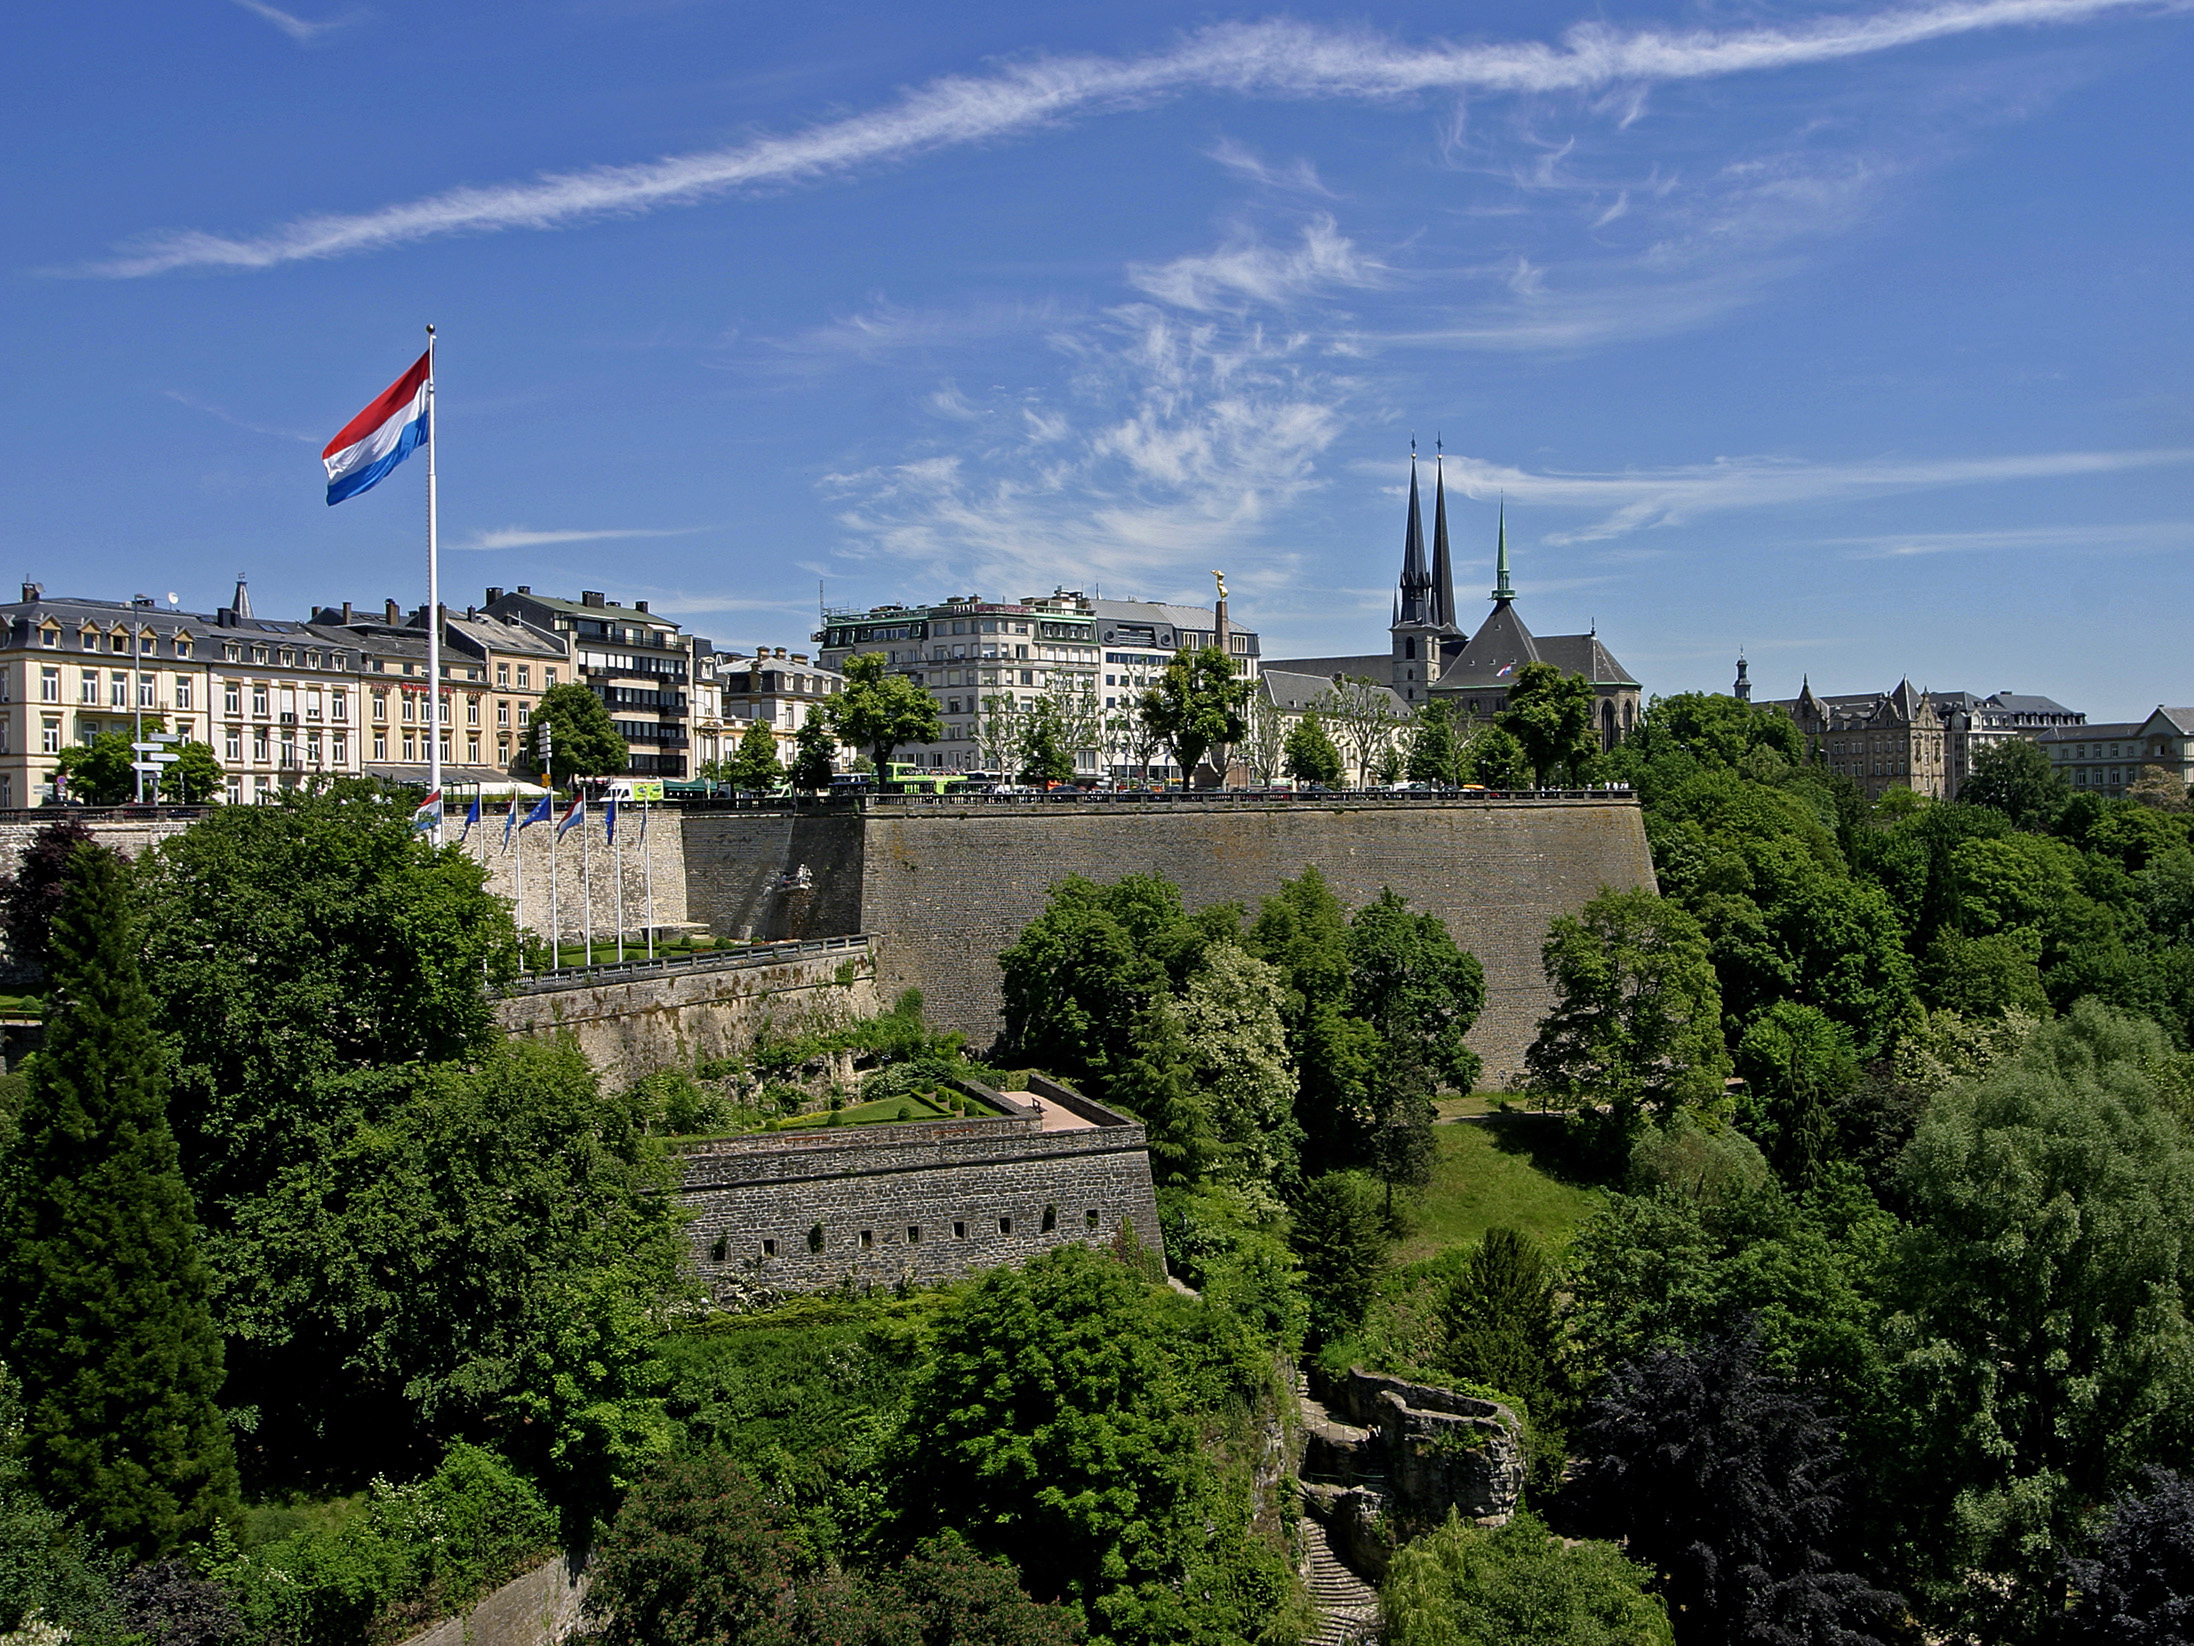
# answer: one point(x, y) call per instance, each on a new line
point(617, 867)
point(586, 884)
point(518, 871)
point(556, 924)
point(434, 610)
point(647, 870)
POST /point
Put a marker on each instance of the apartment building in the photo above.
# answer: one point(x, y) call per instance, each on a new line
point(493, 671)
point(777, 687)
point(985, 661)
point(73, 669)
point(640, 665)
point(2107, 758)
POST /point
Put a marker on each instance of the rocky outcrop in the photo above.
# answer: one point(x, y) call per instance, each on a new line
point(1390, 1450)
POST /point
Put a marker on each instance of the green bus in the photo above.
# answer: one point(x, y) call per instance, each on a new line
point(915, 779)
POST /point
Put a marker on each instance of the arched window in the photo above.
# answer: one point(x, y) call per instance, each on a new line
point(1607, 723)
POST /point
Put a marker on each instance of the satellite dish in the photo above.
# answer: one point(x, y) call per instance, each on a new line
point(173, 599)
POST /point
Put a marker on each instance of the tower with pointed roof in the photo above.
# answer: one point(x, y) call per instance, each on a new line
point(1478, 678)
point(1424, 632)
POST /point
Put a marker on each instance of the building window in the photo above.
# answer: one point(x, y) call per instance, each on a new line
point(815, 1238)
point(235, 743)
point(232, 698)
point(145, 691)
point(769, 1248)
point(868, 1240)
point(182, 691)
point(411, 709)
point(49, 685)
point(87, 689)
point(959, 1231)
point(1089, 1218)
point(342, 749)
point(472, 711)
point(1005, 1225)
point(118, 691)
point(502, 674)
point(380, 746)
point(914, 1234)
point(525, 676)
point(472, 750)
point(259, 699)
point(339, 706)
point(548, 679)
point(259, 745)
point(50, 741)
point(502, 713)
point(1051, 1219)
point(49, 637)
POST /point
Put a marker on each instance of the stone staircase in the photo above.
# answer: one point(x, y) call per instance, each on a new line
point(1348, 1607)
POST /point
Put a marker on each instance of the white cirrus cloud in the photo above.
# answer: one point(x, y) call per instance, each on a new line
point(525, 537)
point(1638, 500)
point(302, 30)
point(1273, 59)
point(1250, 270)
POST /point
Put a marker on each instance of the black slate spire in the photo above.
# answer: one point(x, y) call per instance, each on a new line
point(1443, 571)
point(1416, 582)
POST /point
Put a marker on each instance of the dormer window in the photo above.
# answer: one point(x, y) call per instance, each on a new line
point(49, 636)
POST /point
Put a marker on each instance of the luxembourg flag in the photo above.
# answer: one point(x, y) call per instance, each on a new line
point(381, 436)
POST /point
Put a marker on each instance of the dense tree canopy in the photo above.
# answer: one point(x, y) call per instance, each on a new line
point(103, 1297)
point(878, 712)
point(1551, 715)
point(1199, 704)
point(583, 739)
point(1517, 1585)
point(1309, 751)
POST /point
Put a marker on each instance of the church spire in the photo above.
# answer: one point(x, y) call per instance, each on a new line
point(1501, 589)
point(1416, 583)
point(1443, 571)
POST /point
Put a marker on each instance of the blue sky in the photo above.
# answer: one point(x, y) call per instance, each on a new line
point(1857, 335)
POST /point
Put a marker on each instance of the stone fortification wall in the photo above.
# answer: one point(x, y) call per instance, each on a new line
point(946, 886)
point(648, 1018)
point(660, 859)
point(819, 1207)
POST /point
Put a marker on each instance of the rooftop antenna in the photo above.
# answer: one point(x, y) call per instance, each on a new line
point(173, 600)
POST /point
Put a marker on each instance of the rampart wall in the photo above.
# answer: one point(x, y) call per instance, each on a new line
point(648, 1018)
point(819, 1207)
point(946, 886)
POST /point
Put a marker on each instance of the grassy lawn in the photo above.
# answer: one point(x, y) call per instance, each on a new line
point(883, 1110)
point(1513, 1170)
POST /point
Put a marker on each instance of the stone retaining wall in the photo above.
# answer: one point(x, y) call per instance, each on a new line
point(946, 886)
point(807, 1210)
point(629, 1028)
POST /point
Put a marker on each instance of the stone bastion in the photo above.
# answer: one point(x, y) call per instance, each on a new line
point(812, 1208)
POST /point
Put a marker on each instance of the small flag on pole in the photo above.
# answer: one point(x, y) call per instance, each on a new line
point(381, 436)
point(472, 816)
point(609, 820)
point(541, 813)
point(577, 815)
point(429, 809)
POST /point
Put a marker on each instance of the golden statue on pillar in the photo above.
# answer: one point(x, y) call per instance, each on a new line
point(1220, 578)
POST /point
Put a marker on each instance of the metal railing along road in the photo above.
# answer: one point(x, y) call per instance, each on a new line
point(1069, 796)
point(705, 960)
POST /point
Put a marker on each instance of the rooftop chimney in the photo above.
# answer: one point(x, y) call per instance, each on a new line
point(241, 604)
point(639, 605)
point(525, 588)
point(593, 597)
point(33, 591)
point(346, 613)
point(391, 614)
point(495, 594)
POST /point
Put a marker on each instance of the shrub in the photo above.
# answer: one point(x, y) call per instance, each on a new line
point(1518, 1586)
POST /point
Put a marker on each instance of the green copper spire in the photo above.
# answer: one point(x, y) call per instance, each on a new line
point(1501, 590)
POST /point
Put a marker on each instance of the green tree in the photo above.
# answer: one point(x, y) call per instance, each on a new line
point(1409, 981)
point(1636, 1025)
point(1496, 760)
point(1303, 930)
point(813, 752)
point(1311, 756)
point(47, 1564)
point(877, 712)
point(1551, 714)
point(104, 1297)
point(584, 740)
point(1432, 756)
point(194, 778)
point(1081, 975)
point(2038, 1364)
point(754, 767)
point(1985, 976)
point(1154, 1080)
point(1051, 1427)
point(1198, 704)
point(1798, 1064)
point(1517, 1585)
point(301, 956)
point(1340, 1238)
point(1045, 755)
point(1497, 1322)
point(2016, 778)
point(1232, 1016)
point(99, 772)
point(31, 896)
point(1692, 732)
point(502, 1254)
